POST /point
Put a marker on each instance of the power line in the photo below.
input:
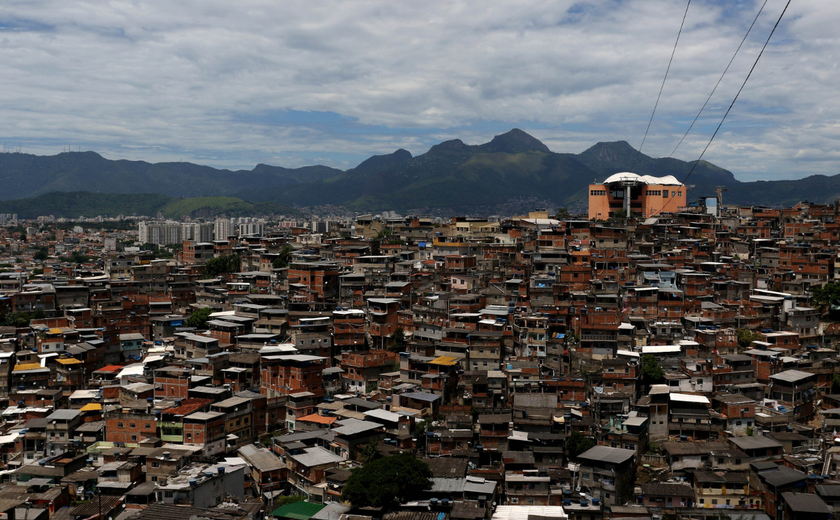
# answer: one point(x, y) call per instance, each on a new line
point(719, 79)
point(668, 69)
point(733, 100)
point(738, 93)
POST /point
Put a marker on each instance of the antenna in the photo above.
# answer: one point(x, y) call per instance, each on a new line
point(719, 191)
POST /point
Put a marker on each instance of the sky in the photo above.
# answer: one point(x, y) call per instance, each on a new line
point(235, 84)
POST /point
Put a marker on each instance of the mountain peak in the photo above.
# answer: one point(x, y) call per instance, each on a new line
point(612, 157)
point(611, 147)
point(383, 161)
point(515, 141)
point(447, 146)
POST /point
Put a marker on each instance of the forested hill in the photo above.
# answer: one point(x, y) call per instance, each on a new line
point(512, 172)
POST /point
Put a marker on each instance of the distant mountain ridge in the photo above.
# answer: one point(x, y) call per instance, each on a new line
point(451, 177)
point(80, 203)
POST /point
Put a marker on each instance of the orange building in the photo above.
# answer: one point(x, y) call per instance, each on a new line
point(641, 195)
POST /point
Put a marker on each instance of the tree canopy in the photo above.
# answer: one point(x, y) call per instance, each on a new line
point(285, 257)
point(22, 319)
point(199, 318)
point(387, 481)
point(397, 340)
point(289, 499)
point(746, 337)
point(578, 443)
point(370, 452)
point(222, 265)
point(828, 294)
point(651, 371)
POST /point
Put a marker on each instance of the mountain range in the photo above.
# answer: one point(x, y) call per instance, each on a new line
point(513, 169)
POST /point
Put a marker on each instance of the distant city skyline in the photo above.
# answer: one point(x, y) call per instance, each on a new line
point(231, 85)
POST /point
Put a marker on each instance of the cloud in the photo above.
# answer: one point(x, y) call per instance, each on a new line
point(233, 84)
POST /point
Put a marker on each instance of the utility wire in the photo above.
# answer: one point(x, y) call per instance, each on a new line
point(733, 100)
point(719, 79)
point(738, 93)
point(668, 69)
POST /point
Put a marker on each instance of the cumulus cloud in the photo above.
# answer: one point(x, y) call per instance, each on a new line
point(233, 84)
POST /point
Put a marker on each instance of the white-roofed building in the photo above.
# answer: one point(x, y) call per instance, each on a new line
point(642, 195)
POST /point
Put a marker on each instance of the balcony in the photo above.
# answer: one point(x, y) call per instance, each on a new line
point(597, 337)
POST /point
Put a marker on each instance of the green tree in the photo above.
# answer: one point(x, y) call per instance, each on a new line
point(370, 452)
point(828, 294)
point(651, 371)
point(397, 340)
point(384, 234)
point(42, 254)
point(421, 427)
point(578, 443)
point(199, 318)
point(22, 319)
point(562, 214)
point(835, 384)
point(222, 265)
point(746, 337)
point(285, 256)
point(289, 499)
point(388, 481)
point(78, 258)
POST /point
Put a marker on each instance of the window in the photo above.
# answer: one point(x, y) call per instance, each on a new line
point(132, 425)
point(120, 425)
point(133, 438)
point(155, 464)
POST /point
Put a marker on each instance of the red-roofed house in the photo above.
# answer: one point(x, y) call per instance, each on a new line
point(172, 419)
point(314, 422)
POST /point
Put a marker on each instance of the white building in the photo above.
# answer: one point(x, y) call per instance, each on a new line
point(222, 228)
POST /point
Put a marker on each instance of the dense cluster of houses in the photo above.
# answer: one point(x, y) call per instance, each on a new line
point(677, 366)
